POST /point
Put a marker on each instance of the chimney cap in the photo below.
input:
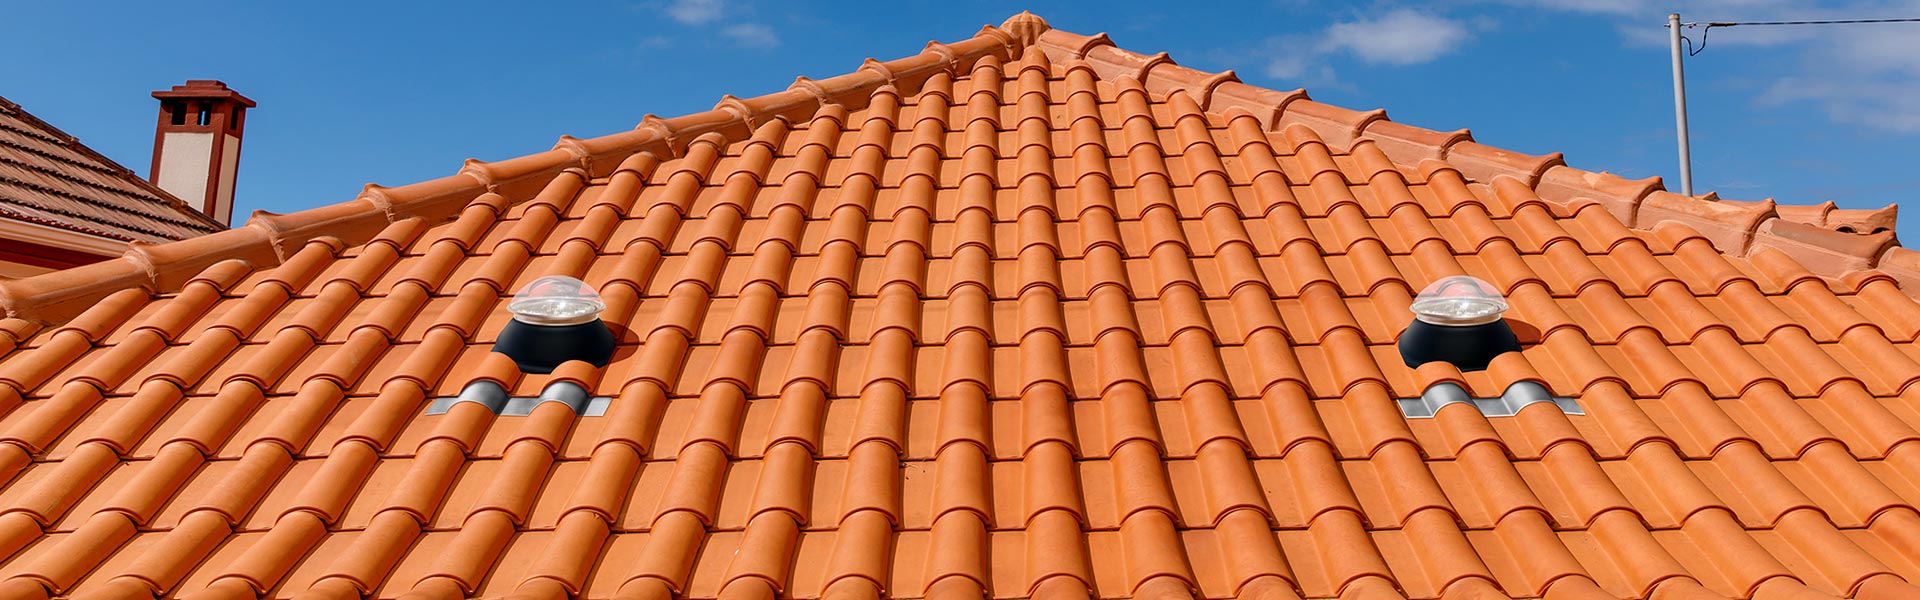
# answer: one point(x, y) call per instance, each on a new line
point(196, 89)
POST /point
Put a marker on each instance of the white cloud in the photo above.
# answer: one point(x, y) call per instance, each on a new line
point(1292, 57)
point(1399, 37)
point(727, 19)
point(1657, 9)
point(751, 35)
point(1859, 74)
point(1612, 7)
point(1870, 78)
point(1867, 75)
point(1891, 48)
point(695, 12)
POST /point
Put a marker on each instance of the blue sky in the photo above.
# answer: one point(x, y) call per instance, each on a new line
point(398, 92)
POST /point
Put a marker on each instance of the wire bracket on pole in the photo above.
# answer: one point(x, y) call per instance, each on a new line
point(1680, 80)
point(1692, 51)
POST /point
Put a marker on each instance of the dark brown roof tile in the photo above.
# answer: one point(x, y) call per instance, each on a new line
point(48, 177)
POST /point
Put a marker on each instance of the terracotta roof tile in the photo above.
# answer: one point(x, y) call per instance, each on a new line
point(1026, 315)
point(48, 177)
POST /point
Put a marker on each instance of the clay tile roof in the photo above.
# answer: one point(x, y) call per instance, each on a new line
point(1021, 315)
point(48, 177)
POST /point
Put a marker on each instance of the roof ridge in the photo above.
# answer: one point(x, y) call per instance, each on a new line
point(269, 239)
point(114, 167)
point(1831, 242)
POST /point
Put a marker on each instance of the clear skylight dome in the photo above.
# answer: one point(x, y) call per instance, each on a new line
point(1459, 300)
point(556, 300)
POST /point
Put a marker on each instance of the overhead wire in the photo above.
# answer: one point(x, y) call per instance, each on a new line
point(1834, 22)
point(1706, 26)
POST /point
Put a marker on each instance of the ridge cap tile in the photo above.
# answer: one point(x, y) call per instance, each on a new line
point(973, 383)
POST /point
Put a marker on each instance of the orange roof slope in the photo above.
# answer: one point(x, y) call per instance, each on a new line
point(1024, 315)
point(48, 177)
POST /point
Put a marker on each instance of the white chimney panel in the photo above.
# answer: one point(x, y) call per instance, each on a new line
point(185, 160)
point(229, 168)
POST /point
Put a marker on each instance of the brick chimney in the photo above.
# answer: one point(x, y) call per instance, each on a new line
point(196, 146)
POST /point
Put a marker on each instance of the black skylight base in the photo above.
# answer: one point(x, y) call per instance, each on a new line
point(541, 348)
point(1469, 347)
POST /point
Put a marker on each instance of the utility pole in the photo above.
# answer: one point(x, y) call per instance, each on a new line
point(1680, 105)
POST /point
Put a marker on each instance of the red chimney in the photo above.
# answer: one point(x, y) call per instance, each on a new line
point(196, 146)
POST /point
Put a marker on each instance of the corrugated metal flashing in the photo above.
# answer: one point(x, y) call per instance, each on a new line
point(495, 398)
point(1519, 395)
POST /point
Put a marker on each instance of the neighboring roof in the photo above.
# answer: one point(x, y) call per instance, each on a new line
point(50, 178)
point(1025, 315)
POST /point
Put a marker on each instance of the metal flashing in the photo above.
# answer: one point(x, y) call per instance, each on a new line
point(1518, 396)
point(495, 398)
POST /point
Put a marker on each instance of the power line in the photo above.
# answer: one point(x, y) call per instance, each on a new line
point(1680, 79)
point(1835, 22)
point(1706, 26)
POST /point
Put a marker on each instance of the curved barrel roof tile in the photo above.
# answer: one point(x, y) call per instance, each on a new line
point(1022, 315)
